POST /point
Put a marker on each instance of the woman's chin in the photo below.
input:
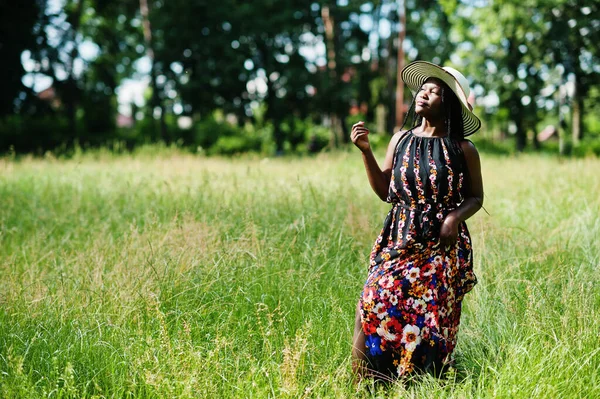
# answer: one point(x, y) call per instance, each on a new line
point(421, 111)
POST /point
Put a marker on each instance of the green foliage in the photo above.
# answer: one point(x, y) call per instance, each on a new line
point(246, 140)
point(16, 36)
point(33, 134)
point(587, 147)
point(208, 131)
point(318, 138)
point(289, 65)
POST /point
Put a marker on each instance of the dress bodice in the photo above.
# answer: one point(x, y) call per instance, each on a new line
point(427, 183)
point(428, 172)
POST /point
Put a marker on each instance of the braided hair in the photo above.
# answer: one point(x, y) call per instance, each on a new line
point(452, 108)
point(453, 123)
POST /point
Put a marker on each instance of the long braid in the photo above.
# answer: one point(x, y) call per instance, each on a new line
point(409, 113)
point(455, 129)
point(411, 119)
point(452, 114)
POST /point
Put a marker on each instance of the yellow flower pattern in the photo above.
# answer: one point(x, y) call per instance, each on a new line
point(411, 302)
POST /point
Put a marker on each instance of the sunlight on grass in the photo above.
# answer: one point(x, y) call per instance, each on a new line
point(180, 276)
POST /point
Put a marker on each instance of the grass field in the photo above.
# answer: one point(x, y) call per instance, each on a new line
point(177, 277)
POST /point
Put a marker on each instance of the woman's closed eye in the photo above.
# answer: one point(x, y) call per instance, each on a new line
point(430, 90)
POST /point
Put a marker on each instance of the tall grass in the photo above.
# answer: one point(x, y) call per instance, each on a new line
point(185, 277)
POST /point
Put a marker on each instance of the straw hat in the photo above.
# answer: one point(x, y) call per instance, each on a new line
point(417, 72)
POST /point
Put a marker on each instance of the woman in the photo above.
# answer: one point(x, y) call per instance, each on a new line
point(421, 263)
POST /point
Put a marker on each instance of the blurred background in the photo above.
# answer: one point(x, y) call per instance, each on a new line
point(289, 76)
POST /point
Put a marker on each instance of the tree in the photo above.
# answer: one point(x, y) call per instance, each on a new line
point(573, 39)
point(502, 45)
point(112, 26)
point(17, 23)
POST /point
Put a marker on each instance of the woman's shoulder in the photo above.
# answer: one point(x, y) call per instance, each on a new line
point(469, 149)
point(399, 135)
point(467, 144)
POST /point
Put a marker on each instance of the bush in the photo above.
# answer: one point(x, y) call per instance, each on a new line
point(317, 138)
point(23, 134)
point(506, 147)
point(207, 132)
point(240, 140)
point(587, 147)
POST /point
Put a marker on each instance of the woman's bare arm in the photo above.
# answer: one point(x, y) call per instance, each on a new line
point(474, 197)
point(379, 178)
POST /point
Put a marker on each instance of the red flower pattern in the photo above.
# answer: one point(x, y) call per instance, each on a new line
point(411, 302)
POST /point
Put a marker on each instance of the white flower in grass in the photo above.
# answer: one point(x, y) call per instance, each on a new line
point(411, 337)
point(384, 332)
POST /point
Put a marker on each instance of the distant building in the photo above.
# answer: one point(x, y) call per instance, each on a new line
point(49, 95)
point(125, 121)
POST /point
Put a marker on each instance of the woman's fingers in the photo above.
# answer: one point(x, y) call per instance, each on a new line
point(358, 125)
point(447, 240)
point(361, 130)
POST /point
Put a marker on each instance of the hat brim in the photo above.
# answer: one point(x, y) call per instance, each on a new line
point(417, 72)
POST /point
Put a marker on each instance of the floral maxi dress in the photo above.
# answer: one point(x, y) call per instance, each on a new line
point(411, 302)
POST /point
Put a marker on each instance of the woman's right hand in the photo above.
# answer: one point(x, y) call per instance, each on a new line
point(360, 136)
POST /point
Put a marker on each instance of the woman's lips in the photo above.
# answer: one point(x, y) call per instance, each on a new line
point(422, 103)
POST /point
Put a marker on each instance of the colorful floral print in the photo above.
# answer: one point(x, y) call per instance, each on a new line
point(411, 302)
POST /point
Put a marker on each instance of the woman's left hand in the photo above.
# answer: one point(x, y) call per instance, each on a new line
point(449, 231)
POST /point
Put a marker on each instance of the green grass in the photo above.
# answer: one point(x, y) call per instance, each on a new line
point(178, 276)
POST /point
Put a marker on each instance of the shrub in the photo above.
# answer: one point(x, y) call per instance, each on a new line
point(317, 138)
point(207, 132)
point(33, 134)
point(587, 147)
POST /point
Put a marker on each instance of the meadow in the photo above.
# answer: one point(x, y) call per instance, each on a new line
point(177, 276)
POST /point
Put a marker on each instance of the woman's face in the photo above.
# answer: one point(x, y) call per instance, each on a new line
point(428, 103)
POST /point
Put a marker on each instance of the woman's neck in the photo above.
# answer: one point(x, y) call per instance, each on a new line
point(431, 129)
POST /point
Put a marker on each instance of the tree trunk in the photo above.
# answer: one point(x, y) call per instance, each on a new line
point(271, 113)
point(390, 92)
point(577, 113)
point(333, 67)
point(521, 137)
point(536, 142)
point(517, 118)
point(71, 95)
point(400, 66)
point(155, 100)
